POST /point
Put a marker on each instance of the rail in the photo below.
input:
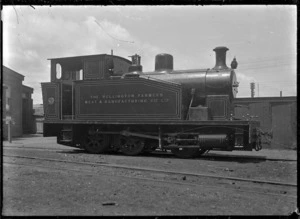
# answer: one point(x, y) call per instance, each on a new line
point(159, 171)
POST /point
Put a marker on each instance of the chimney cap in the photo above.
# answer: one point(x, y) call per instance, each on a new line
point(220, 47)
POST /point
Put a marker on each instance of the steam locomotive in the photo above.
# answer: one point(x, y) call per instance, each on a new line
point(107, 103)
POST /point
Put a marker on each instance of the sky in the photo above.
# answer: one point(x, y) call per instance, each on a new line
point(262, 38)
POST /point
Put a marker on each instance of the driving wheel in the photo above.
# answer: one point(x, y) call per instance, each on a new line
point(96, 143)
point(131, 146)
point(150, 146)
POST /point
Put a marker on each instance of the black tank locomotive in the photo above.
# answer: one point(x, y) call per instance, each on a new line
point(107, 103)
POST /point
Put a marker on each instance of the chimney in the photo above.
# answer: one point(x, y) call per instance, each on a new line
point(220, 58)
point(252, 87)
point(280, 93)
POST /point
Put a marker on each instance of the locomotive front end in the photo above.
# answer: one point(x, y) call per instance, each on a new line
point(207, 98)
point(201, 87)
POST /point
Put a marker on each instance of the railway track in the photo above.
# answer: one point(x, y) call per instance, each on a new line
point(265, 188)
point(161, 153)
point(103, 164)
point(32, 148)
point(157, 180)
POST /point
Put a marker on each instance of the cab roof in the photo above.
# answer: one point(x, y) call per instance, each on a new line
point(88, 56)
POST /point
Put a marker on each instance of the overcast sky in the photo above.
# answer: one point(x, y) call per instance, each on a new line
point(262, 38)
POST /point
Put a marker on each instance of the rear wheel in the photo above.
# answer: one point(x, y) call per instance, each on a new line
point(96, 143)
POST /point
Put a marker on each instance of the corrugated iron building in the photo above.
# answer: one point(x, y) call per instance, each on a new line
point(18, 103)
point(278, 117)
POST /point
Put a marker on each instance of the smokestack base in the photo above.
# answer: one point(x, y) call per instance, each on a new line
point(136, 66)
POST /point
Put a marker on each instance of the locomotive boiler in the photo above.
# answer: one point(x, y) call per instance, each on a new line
point(107, 103)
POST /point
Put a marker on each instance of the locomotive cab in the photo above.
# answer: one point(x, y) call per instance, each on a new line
point(87, 67)
point(65, 72)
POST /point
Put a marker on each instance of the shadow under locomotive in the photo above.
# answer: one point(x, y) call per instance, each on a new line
point(169, 155)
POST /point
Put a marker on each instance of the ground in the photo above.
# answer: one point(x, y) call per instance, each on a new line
point(45, 187)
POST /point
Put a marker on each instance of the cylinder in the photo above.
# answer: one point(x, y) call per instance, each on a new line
point(163, 62)
point(213, 140)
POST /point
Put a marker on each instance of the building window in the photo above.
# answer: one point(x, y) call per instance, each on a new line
point(8, 104)
point(8, 99)
point(8, 91)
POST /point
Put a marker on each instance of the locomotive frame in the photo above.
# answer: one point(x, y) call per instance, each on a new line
point(107, 103)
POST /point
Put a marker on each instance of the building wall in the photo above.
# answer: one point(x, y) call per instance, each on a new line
point(277, 115)
point(14, 102)
point(27, 112)
point(3, 127)
point(13, 81)
point(284, 123)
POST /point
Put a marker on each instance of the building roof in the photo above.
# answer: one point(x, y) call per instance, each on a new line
point(7, 71)
point(78, 58)
point(268, 99)
point(27, 89)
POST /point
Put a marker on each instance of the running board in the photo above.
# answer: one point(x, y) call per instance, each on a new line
point(180, 146)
